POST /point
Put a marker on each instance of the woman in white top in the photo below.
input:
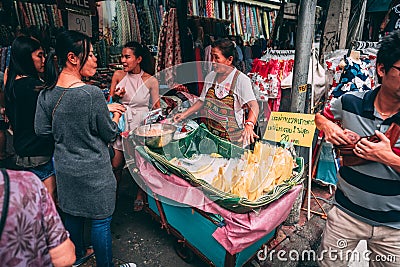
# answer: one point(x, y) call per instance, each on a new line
point(226, 96)
point(138, 91)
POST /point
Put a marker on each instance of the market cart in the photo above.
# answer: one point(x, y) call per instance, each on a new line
point(203, 222)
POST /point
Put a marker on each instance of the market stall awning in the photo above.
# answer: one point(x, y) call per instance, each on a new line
point(378, 5)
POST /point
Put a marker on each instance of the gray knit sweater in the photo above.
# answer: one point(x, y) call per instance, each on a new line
point(82, 128)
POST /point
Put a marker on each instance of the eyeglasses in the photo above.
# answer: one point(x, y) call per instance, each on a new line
point(396, 67)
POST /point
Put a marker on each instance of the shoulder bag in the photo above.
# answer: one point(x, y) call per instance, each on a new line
point(4, 211)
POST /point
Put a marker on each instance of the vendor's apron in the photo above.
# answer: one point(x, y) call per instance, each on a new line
point(220, 113)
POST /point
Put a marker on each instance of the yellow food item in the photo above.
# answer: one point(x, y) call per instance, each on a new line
point(255, 174)
point(220, 181)
point(263, 169)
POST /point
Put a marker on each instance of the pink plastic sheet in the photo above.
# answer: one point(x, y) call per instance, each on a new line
point(241, 230)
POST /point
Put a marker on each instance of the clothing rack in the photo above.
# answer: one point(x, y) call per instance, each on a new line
point(359, 45)
point(191, 17)
point(282, 54)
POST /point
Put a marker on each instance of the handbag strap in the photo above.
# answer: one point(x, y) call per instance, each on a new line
point(5, 201)
point(61, 96)
point(58, 103)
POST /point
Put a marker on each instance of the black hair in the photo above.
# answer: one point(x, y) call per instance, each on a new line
point(239, 41)
point(66, 42)
point(227, 48)
point(21, 62)
point(207, 40)
point(389, 51)
point(140, 50)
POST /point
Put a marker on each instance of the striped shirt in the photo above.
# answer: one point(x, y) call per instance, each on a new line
point(369, 192)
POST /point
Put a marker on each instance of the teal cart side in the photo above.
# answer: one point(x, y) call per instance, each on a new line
point(194, 229)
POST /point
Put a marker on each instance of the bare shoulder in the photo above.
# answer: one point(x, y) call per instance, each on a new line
point(119, 74)
point(149, 80)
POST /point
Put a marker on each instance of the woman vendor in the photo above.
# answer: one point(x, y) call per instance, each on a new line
point(230, 107)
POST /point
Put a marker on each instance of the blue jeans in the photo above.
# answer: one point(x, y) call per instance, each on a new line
point(43, 171)
point(100, 237)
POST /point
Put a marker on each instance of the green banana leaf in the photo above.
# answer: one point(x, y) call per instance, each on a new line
point(201, 141)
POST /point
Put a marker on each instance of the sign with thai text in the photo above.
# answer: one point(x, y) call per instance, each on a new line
point(297, 128)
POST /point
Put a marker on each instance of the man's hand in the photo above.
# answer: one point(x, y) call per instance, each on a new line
point(379, 152)
point(333, 132)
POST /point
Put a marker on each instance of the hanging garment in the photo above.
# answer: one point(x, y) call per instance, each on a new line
point(223, 10)
point(209, 8)
point(266, 76)
point(169, 46)
point(150, 20)
point(207, 59)
point(216, 10)
point(355, 77)
point(24, 14)
point(136, 23)
point(327, 166)
point(199, 57)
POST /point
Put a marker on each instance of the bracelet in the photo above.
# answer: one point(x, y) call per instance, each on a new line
point(249, 123)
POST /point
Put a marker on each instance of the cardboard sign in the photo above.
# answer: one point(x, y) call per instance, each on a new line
point(80, 23)
point(297, 128)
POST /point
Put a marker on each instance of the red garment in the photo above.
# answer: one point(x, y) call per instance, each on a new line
point(273, 72)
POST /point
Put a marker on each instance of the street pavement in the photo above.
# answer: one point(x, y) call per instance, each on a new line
point(138, 238)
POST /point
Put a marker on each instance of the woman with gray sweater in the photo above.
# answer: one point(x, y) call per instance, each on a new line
point(77, 117)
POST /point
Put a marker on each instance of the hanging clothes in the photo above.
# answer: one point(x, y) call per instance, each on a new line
point(267, 74)
point(37, 14)
point(169, 46)
point(199, 58)
point(355, 77)
point(347, 75)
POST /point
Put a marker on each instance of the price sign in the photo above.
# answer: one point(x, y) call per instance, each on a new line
point(303, 88)
point(297, 128)
point(80, 23)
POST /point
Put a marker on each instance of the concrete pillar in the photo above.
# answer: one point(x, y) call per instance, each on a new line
point(304, 40)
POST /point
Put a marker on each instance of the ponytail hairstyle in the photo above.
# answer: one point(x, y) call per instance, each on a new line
point(140, 50)
point(21, 62)
point(66, 42)
point(228, 49)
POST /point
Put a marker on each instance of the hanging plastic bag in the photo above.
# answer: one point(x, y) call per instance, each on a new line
point(121, 122)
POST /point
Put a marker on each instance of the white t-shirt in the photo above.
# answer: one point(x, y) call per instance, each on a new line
point(243, 92)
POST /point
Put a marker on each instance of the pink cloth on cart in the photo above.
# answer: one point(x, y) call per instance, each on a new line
point(241, 230)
